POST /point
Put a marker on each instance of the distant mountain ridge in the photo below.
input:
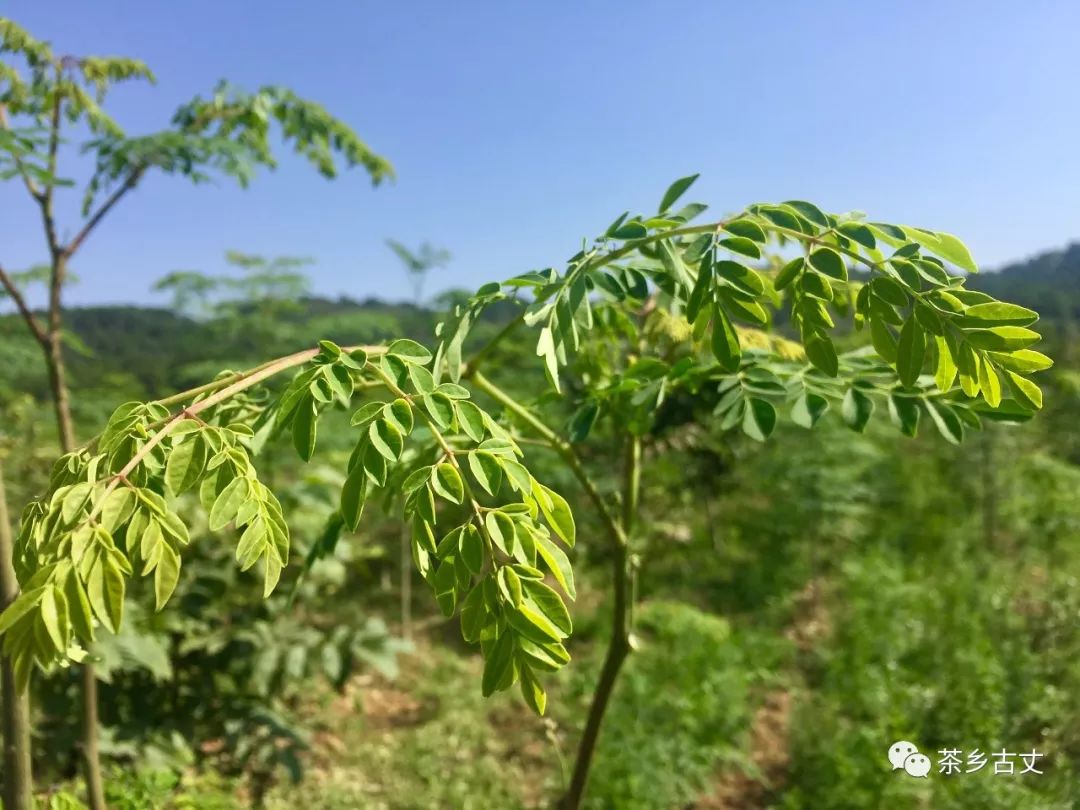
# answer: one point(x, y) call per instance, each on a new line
point(1049, 282)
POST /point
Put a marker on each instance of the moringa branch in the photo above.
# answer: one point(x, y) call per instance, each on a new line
point(31, 320)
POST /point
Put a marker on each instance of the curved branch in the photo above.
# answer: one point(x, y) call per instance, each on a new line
point(32, 323)
point(245, 381)
point(97, 216)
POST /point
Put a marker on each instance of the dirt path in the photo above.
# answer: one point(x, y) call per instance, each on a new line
point(770, 729)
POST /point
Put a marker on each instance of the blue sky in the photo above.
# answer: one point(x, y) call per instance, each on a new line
point(517, 129)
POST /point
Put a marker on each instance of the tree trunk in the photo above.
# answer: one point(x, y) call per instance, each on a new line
point(54, 361)
point(619, 643)
point(18, 780)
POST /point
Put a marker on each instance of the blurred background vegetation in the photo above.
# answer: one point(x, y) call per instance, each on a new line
point(808, 601)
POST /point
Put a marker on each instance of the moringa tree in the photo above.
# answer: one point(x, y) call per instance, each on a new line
point(44, 96)
point(490, 539)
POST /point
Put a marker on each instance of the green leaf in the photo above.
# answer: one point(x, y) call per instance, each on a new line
point(828, 261)
point(114, 586)
point(885, 342)
point(904, 412)
point(890, 291)
point(447, 483)
point(1024, 391)
point(509, 585)
point(228, 503)
point(788, 273)
point(440, 408)
point(759, 419)
point(1000, 314)
point(946, 421)
point(422, 381)
point(944, 245)
point(856, 409)
point(809, 211)
point(166, 575)
point(747, 229)
point(549, 603)
point(353, 494)
point(859, 233)
point(26, 601)
point(117, 508)
point(1001, 338)
point(740, 277)
point(533, 692)
point(742, 246)
point(410, 351)
point(967, 367)
point(558, 515)
point(304, 428)
point(471, 548)
point(399, 414)
point(272, 574)
point(545, 348)
point(74, 501)
point(945, 373)
point(50, 617)
point(817, 285)
point(674, 264)
point(808, 409)
point(725, 341)
point(989, 384)
point(499, 665)
point(386, 439)
point(367, 412)
point(471, 420)
point(500, 528)
point(910, 352)
point(631, 230)
point(485, 469)
point(1024, 361)
point(820, 352)
point(79, 607)
point(675, 191)
point(558, 563)
point(186, 464)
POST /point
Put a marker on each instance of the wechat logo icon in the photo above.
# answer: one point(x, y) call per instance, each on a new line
point(905, 755)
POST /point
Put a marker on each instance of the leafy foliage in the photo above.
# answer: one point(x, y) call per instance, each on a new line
point(953, 354)
point(110, 509)
point(228, 133)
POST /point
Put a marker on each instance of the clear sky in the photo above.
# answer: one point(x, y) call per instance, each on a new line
point(517, 129)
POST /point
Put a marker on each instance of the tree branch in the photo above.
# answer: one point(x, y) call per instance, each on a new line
point(32, 323)
point(233, 387)
point(97, 216)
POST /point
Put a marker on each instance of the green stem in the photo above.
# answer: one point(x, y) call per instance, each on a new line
point(565, 450)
